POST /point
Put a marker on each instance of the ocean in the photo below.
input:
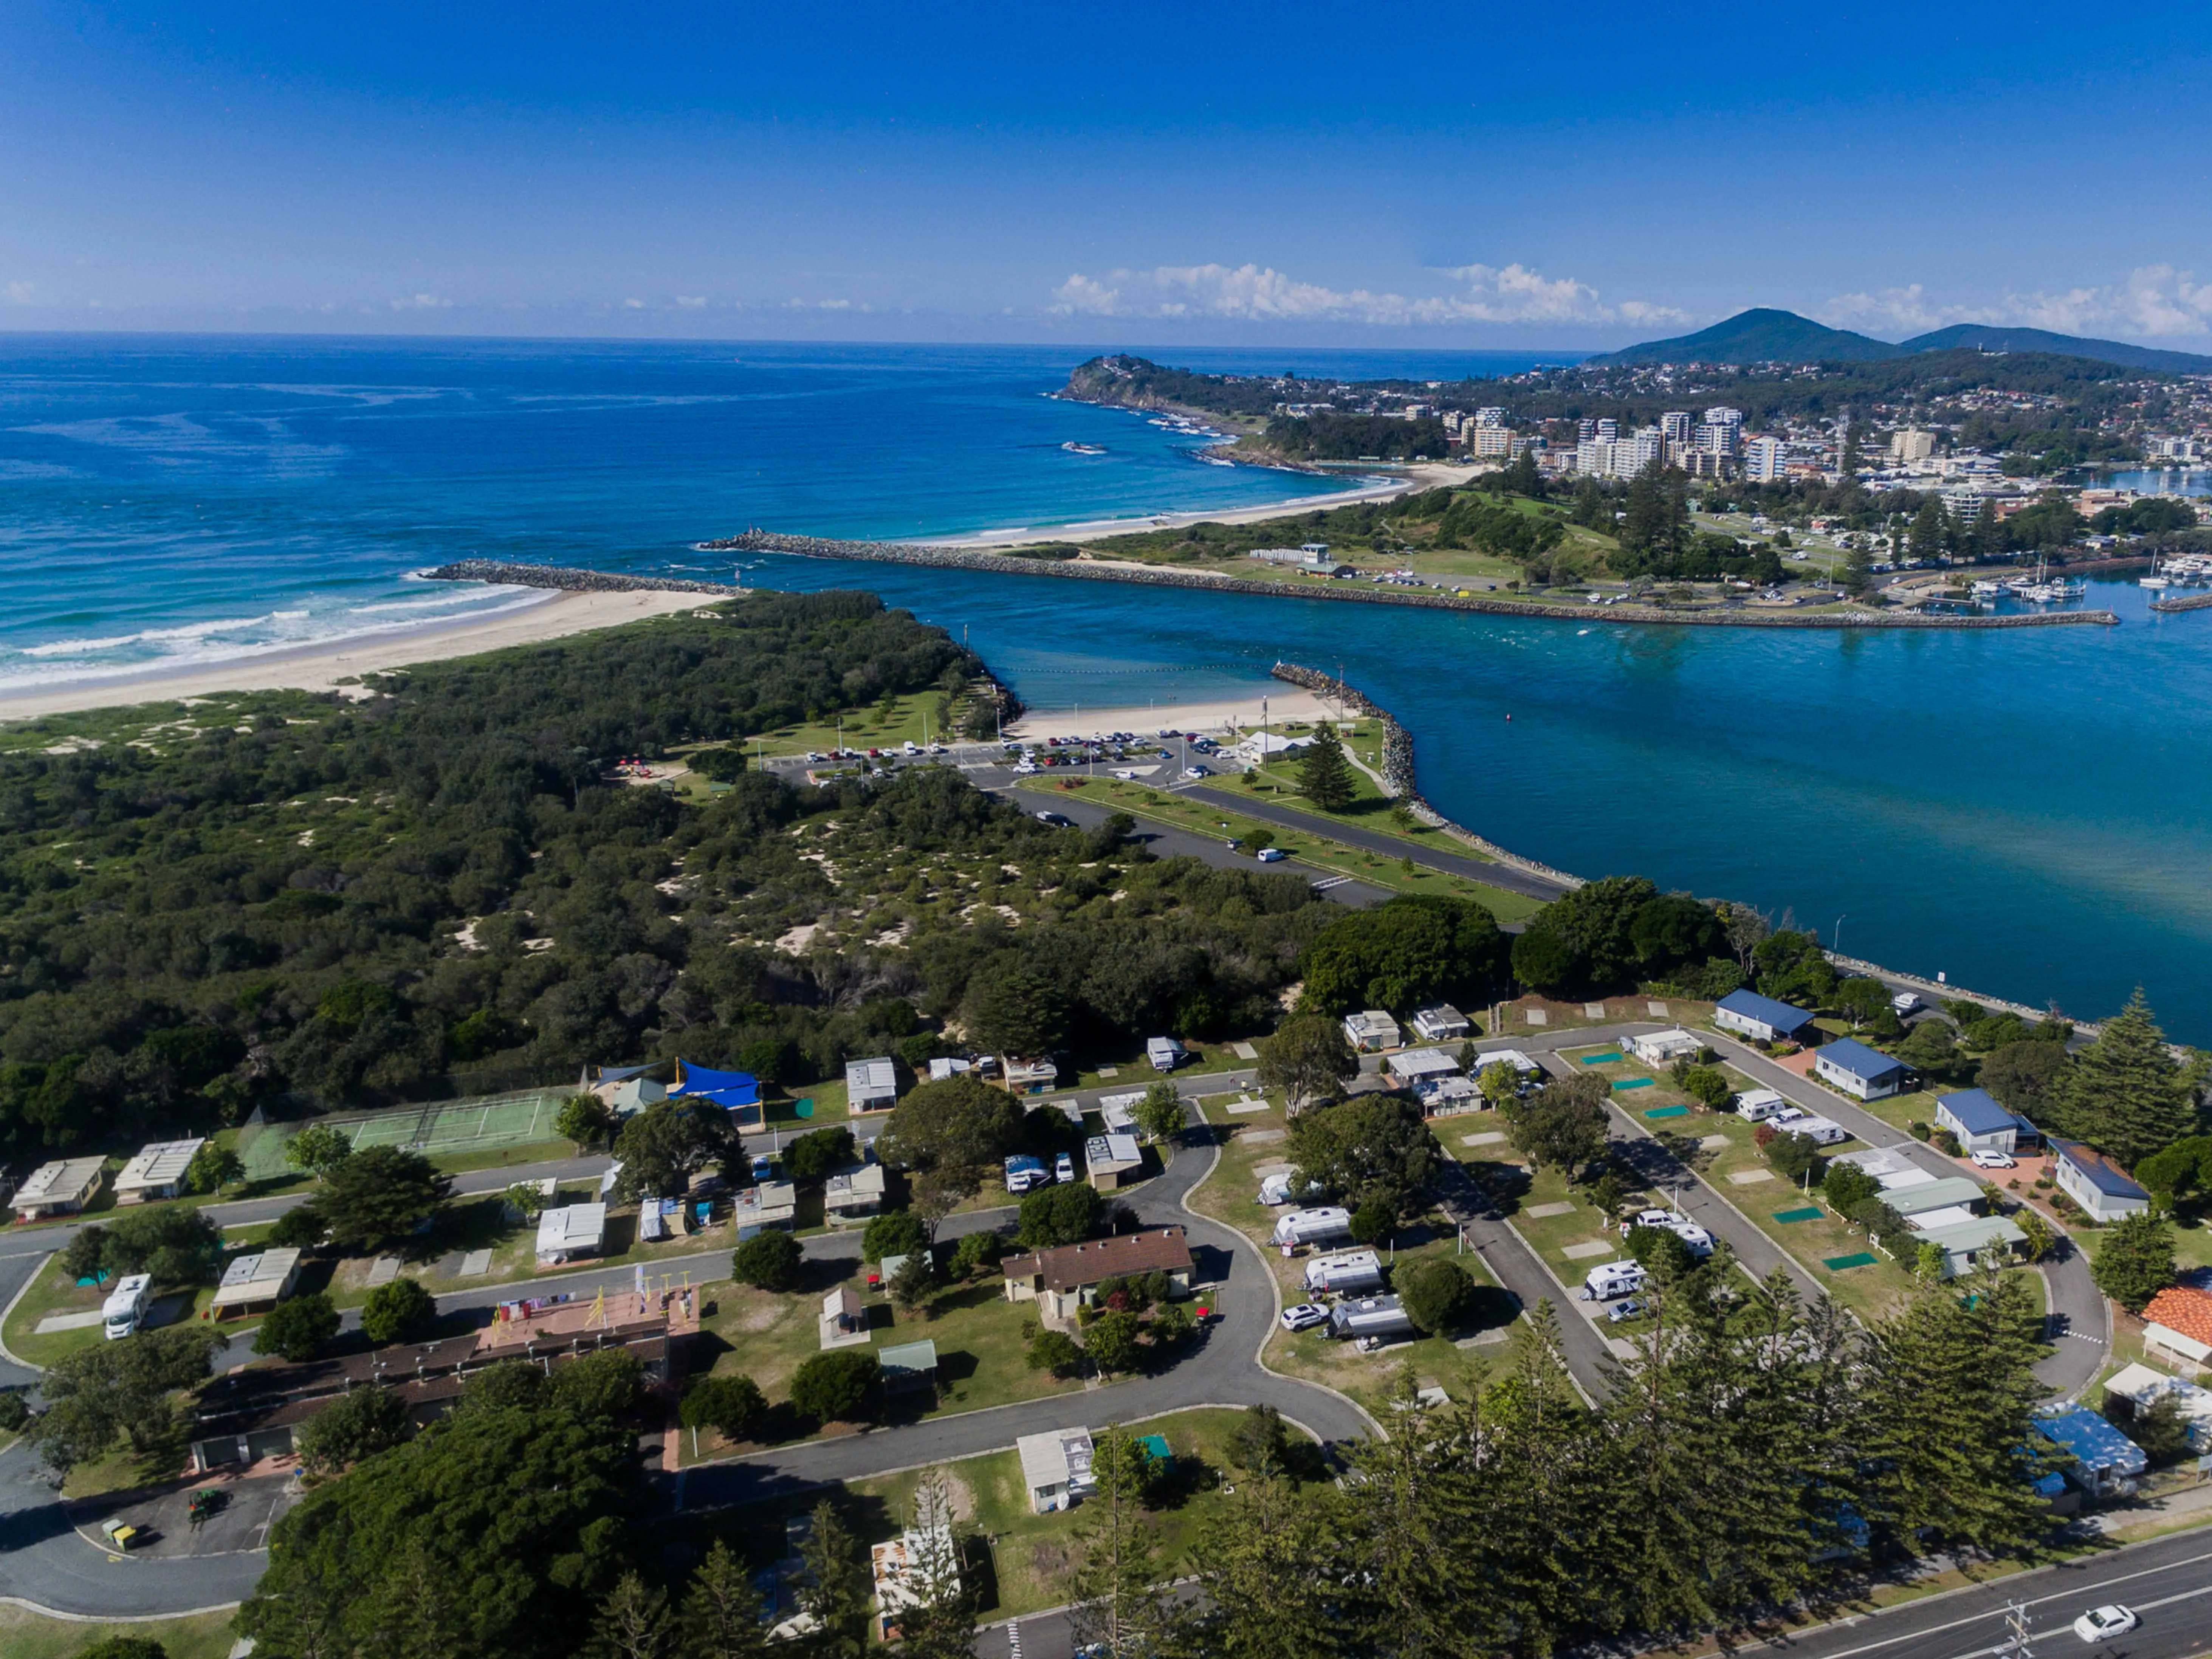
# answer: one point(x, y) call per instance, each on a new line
point(2028, 813)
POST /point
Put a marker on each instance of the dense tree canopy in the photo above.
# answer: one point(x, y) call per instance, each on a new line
point(1403, 952)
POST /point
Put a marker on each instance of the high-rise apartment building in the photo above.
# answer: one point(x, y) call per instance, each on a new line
point(1762, 460)
point(1674, 425)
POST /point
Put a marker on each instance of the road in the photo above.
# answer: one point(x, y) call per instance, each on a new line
point(2168, 1583)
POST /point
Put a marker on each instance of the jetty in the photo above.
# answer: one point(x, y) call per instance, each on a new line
point(573, 580)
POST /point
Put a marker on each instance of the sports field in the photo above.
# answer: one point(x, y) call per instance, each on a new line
point(450, 1127)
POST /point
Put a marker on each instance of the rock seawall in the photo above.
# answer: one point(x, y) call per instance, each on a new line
point(962, 558)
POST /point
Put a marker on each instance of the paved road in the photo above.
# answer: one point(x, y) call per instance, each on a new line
point(1224, 1370)
point(2168, 1583)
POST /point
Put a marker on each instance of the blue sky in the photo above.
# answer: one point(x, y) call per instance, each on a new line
point(1470, 176)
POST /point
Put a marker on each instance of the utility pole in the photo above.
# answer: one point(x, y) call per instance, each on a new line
point(2016, 1624)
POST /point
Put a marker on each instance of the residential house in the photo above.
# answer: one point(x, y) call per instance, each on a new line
point(1068, 1277)
point(624, 1091)
point(2178, 1322)
point(1448, 1096)
point(854, 1193)
point(61, 1187)
point(908, 1367)
point(843, 1314)
point(1522, 1065)
point(1938, 1203)
point(1665, 1048)
point(1964, 1241)
point(1760, 1019)
point(1056, 1467)
point(871, 1085)
point(1981, 1125)
point(1119, 1112)
point(1411, 1067)
point(1862, 1072)
point(2143, 1388)
point(2100, 1185)
point(1440, 1022)
point(757, 1209)
point(1112, 1161)
point(1370, 1030)
point(573, 1231)
point(257, 1283)
point(909, 1568)
point(2105, 1462)
point(1028, 1075)
point(157, 1171)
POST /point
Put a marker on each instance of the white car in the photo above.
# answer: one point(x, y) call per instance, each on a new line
point(1905, 1003)
point(1305, 1316)
point(1125, 774)
point(1271, 855)
point(2101, 1624)
point(1988, 1158)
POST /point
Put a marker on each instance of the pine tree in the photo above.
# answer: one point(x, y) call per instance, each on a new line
point(633, 1622)
point(940, 1620)
point(2135, 1260)
point(2126, 1094)
point(1323, 773)
point(721, 1610)
point(1116, 1586)
point(1411, 1509)
point(836, 1592)
point(1273, 1569)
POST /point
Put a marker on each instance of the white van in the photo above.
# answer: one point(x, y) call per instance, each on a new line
point(125, 1305)
point(1613, 1281)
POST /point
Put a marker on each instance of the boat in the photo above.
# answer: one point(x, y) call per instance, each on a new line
point(1084, 449)
point(1987, 590)
point(2157, 578)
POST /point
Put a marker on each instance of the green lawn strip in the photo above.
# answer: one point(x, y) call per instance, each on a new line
point(981, 1347)
point(28, 1635)
point(1550, 1235)
point(862, 730)
point(1333, 858)
point(1230, 1195)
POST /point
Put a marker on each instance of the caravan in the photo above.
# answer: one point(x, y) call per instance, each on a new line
point(1611, 1281)
point(126, 1306)
point(1373, 1320)
point(1699, 1241)
point(1324, 1225)
point(1348, 1272)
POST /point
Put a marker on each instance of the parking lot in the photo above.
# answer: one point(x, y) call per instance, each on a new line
point(240, 1520)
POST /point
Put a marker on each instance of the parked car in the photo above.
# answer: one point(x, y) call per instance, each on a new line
point(1057, 820)
point(763, 1167)
point(2102, 1623)
point(1271, 855)
point(1125, 774)
point(1305, 1316)
point(1063, 1168)
point(1620, 1313)
point(1988, 1158)
point(1234, 843)
point(1197, 772)
point(1905, 1003)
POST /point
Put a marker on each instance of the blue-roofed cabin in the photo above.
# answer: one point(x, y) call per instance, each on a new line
point(1862, 1072)
point(1981, 1125)
point(2101, 1186)
point(1760, 1019)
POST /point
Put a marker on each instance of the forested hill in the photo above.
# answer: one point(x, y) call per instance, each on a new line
point(1767, 336)
point(266, 895)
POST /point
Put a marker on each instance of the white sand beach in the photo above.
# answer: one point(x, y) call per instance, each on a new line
point(1413, 479)
point(320, 667)
point(1213, 719)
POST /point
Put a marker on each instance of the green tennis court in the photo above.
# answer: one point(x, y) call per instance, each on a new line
point(1599, 1060)
point(1809, 1213)
point(1836, 1264)
point(1667, 1111)
point(451, 1127)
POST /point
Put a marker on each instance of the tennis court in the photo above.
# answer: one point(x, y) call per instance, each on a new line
point(447, 1127)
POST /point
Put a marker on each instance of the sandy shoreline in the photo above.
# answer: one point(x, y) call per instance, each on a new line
point(1213, 717)
point(320, 667)
point(1411, 480)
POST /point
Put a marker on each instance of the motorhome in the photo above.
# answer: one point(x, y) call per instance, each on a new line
point(1612, 1280)
point(1370, 1318)
point(1347, 1273)
point(1323, 1225)
point(126, 1305)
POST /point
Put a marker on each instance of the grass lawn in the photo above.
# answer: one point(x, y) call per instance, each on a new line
point(914, 718)
point(978, 1332)
point(1230, 1195)
point(25, 1635)
point(51, 1293)
point(1019, 1558)
point(1142, 801)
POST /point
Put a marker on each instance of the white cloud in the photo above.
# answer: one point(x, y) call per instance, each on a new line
point(824, 305)
point(692, 302)
point(22, 294)
point(421, 303)
point(1251, 293)
point(2154, 299)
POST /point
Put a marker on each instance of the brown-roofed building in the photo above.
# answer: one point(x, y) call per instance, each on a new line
point(1066, 1278)
point(2179, 1321)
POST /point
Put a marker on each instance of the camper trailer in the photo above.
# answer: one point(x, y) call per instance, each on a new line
point(1324, 1225)
point(1699, 1241)
point(1348, 1272)
point(1754, 1105)
point(1370, 1319)
point(1277, 1188)
point(1613, 1281)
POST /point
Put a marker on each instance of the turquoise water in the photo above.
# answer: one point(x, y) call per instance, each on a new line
point(2029, 811)
point(2026, 812)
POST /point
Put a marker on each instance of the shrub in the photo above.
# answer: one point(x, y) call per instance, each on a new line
point(1173, 1326)
point(1372, 1221)
point(1919, 1131)
point(894, 1232)
point(768, 1262)
point(977, 1253)
point(296, 1328)
point(1846, 1184)
point(1945, 1142)
point(730, 1405)
point(1436, 1293)
point(1055, 1351)
point(1058, 1215)
point(1111, 1341)
point(397, 1312)
point(829, 1388)
point(813, 1156)
point(1793, 1155)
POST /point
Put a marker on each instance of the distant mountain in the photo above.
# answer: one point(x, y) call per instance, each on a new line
point(1978, 336)
point(1760, 335)
point(1768, 336)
